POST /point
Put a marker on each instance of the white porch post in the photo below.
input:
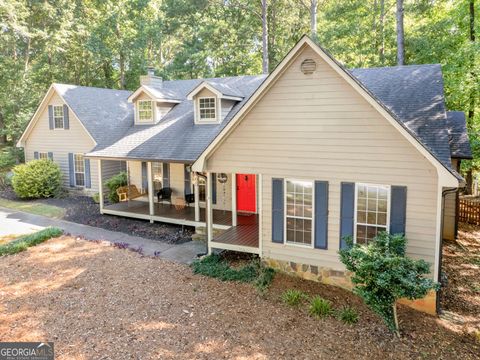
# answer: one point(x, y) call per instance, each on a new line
point(100, 185)
point(151, 204)
point(197, 200)
point(234, 200)
point(209, 213)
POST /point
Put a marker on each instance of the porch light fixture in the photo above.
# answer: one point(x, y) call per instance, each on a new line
point(222, 178)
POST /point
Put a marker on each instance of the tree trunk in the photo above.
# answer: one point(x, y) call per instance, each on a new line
point(122, 70)
point(400, 34)
point(264, 37)
point(395, 317)
point(381, 52)
point(473, 74)
point(3, 136)
point(313, 19)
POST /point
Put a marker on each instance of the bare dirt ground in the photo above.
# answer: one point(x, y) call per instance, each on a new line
point(98, 302)
point(461, 264)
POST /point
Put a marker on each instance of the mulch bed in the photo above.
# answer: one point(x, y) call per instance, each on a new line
point(461, 265)
point(83, 210)
point(75, 293)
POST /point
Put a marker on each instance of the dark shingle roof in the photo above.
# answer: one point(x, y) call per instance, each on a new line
point(414, 94)
point(175, 137)
point(105, 113)
point(459, 142)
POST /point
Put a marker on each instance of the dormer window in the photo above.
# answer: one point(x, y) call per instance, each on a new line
point(207, 107)
point(145, 111)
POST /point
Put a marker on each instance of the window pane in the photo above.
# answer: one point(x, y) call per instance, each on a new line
point(290, 235)
point(361, 217)
point(382, 205)
point(372, 205)
point(382, 219)
point(372, 192)
point(299, 211)
point(362, 191)
point(371, 218)
point(290, 210)
point(372, 211)
point(361, 204)
point(371, 232)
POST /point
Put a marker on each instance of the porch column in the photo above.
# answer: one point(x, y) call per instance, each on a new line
point(209, 213)
point(151, 204)
point(197, 200)
point(100, 185)
point(234, 200)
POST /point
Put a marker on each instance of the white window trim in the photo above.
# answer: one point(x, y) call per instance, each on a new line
point(75, 171)
point(355, 208)
point(285, 242)
point(40, 155)
point(208, 121)
point(63, 117)
point(143, 122)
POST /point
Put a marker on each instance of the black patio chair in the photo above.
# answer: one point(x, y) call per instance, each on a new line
point(165, 194)
point(189, 199)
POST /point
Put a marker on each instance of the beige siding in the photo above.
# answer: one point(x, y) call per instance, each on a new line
point(61, 142)
point(317, 127)
point(135, 173)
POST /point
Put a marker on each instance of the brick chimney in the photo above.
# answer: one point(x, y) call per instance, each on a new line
point(150, 79)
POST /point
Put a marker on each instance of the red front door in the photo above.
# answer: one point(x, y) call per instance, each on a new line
point(246, 189)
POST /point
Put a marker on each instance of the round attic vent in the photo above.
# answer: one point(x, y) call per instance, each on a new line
point(308, 66)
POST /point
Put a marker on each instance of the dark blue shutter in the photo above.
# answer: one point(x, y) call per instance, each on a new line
point(398, 209)
point(166, 175)
point(321, 214)
point(88, 180)
point(50, 117)
point(50, 155)
point(347, 211)
point(144, 175)
point(71, 170)
point(66, 118)
point(35, 155)
point(277, 210)
point(186, 175)
point(214, 188)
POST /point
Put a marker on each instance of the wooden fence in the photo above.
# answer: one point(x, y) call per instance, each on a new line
point(469, 211)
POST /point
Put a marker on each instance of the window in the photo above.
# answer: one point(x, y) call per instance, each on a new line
point(145, 112)
point(58, 117)
point(371, 215)
point(43, 155)
point(207, 108)
point(299, 212)
point(79, 170)
point(202, 182)
point(157, 171)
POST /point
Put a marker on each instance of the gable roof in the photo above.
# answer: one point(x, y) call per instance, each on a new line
point(219, 88)
point(175, 137)
point(158, 94)
point(447, 175)
point(105, 113)
point(459, 142)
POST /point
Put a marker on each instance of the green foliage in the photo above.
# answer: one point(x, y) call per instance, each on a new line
point(383, 274)
point(293, 297)
point(8, 158)
point(320, 307)
point(24, 242)
point(96, 198)
point(37, 179)
point(114, 183)
point(348, 315)
point(253, 272)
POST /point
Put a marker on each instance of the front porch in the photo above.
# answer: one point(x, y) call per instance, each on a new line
point(244, 237)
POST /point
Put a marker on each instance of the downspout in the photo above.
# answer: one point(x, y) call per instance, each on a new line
point(439, 276)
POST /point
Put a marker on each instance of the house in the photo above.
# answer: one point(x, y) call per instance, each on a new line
point(286, 165)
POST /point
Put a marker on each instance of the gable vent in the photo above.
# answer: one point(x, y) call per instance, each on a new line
point(308, 66)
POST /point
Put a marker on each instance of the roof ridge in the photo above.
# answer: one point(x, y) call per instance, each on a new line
point(91, 87)
point(395, 66)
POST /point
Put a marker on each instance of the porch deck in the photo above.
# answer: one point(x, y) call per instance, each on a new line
point(167, 213)
point(243, 237)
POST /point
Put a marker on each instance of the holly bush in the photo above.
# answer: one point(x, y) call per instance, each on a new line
point(382, 274)
point(37, 179)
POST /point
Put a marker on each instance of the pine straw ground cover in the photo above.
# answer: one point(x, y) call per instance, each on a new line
point(99, 302)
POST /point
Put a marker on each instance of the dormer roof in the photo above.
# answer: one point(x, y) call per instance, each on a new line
point(158, 94)
point(221, 90)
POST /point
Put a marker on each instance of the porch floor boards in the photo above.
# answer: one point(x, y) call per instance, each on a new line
point(220, 217)
point(244, 234)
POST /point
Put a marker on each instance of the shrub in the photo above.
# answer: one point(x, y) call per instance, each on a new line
point(96, 198)
point(7, 159)
point(382, 274)
point(114, 183)
point(348, 315)
point(293, 297)
point(264, 278)
point(320, 307)
point(37, 179)
point(24, 242)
